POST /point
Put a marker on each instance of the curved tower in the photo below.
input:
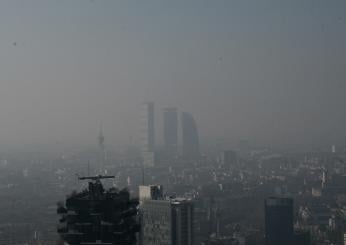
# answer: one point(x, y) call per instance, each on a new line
point(170, 131)
point(190, 136)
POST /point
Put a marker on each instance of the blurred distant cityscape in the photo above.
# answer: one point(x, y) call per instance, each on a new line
point(231, 193)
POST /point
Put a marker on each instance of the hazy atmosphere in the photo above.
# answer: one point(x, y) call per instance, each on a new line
point(173, 122)
point(271, 72)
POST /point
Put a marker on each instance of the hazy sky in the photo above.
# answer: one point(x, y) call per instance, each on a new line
point(273, 72)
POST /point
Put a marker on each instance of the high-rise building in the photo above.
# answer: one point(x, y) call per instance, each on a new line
point(98, 216)
point(148, 134)
point(167, 222)
point(156, 222)
point(279, 221)
point(190, 136)
point(182, 228)
point(170, 131)
point(149, 193)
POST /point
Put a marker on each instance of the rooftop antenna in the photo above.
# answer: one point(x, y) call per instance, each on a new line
point(142, 175)
point(101, 138)
point(102, 149)
point(88, 167)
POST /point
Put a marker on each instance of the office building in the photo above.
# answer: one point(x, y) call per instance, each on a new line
point(156, 222)
point(170, 131)
point(182, 228)
point(279, 221)
point(148, 134)
point(190, 136)
point(167, 222)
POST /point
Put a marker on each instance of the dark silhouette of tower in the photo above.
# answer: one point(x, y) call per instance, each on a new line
point(148, 126)
point(190, 136)
point(102, 151)
point(148, 134)
point(279, 221)
point(170, 131)
point(98, 216)
point(229, 159)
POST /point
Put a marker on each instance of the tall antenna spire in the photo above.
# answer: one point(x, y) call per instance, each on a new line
point(102, 150)
point(101, 138)
point(142, 175)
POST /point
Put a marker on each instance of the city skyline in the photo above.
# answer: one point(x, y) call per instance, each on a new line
point(271, 73)
point(185, 122)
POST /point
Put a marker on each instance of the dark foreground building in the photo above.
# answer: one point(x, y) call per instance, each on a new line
point(279, 221)
point(98, 216)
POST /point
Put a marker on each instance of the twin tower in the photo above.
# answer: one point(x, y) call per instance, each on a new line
point(190, 138)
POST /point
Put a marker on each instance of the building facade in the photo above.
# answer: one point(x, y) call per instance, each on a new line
point(167, 222)
point(156, 222)
point(148, 134)
point(190, 137)
point(182, 220)
point(279, 221)
point(170, 131)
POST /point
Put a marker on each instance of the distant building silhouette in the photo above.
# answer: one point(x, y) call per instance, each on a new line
point(170, 131)
point(148, 134)
point(279, 221)
point(98, 216)
point(190, 136)
point(229, 159)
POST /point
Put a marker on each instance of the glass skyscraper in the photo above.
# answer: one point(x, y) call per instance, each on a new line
point(279, 221)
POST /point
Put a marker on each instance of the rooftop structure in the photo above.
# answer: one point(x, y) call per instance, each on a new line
point(150, 192)
point(98, 216)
